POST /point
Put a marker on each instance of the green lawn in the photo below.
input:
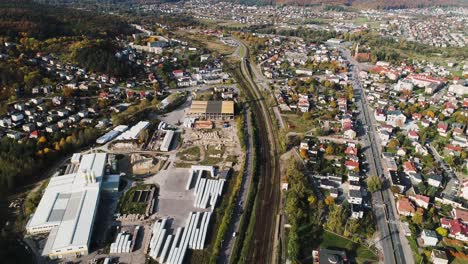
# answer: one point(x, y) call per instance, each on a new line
point(190, 154)
point(415, 249)
point(362, 253)
point(300, 125)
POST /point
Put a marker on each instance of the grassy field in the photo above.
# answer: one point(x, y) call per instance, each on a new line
point(190, 154)
point(300, 125)
point(210, 42)
point(415, 249)
point(363, 254)
point(128, 206)
point(183, 165)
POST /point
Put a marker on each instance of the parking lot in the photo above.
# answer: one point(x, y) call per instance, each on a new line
point(174, 201)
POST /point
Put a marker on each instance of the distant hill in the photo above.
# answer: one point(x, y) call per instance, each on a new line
point(363, 3)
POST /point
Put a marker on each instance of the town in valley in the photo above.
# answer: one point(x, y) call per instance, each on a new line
point(205, 131)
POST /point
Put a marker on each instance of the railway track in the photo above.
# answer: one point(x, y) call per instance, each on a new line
point(262, 246)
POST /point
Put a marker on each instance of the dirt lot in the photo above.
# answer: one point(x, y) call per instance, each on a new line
point(217, 146)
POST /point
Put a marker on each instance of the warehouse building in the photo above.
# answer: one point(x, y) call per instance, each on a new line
point(134, 131)
point(212, 109)
point(68, 208)
point(167, 141)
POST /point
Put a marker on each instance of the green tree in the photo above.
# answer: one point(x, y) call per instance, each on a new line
point(293, 244)
point(417, 219)
point(336, 219)
point(374, 183)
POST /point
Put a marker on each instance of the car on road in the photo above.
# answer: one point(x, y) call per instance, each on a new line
point(234, 234)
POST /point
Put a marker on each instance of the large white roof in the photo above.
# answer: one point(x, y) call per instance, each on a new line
point(133, 132)
point(69, 202)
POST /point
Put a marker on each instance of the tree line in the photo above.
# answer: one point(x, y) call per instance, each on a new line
point(24, 162)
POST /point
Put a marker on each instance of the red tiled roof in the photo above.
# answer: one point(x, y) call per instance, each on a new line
point(350, 163)
point(460, 214)
point(404, 205)
point(409, 166)
point(443, 126)
point(351, 150)
point(453, 147)
point(445, 221)
point(422, 198)
point(426, 78)
point(413, 133)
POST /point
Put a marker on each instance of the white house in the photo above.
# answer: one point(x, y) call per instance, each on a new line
point(429, 238)
point(435, 180)
point(355, 197)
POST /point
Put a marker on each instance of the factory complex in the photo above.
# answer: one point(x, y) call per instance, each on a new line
point(68, 207)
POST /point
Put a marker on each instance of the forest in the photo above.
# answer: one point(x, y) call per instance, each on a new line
point(25, 162)
point(19, 18)
point(99, 56)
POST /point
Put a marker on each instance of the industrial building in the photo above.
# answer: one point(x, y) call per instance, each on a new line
point(133, 132)
point(212, 109)
point(68, 207)
point(111, 134)
point(167, 141)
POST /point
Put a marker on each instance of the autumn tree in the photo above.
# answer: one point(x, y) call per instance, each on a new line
point(304, 154)
point(307, 116)
point(67, 92)
point(441, 231)
point(329, 200)
point(329, 150)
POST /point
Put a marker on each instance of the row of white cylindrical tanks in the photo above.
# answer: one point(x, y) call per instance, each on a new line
point(122, 243)
point(172, 249)
point(206, 190)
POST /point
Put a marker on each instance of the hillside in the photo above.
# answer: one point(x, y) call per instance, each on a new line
point(19, 17)
point(363, 3)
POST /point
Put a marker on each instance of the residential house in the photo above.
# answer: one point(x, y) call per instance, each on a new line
point(405, 207)
point(357, 211)
point(349, 134)
point(353, 176)
point(415, 178)
point(452, 150)
point(352, 165)
point(413, 135)
point(409, 167)
point(420, 200)
point(351, 151)
point(435, 180)
point(442, 128)
point(462, 214)
point(379, 115)
point(355, 197)
point(439, 257)
point(457, 229)
point(303, 103)
point(429, 238)
point(396, 118)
